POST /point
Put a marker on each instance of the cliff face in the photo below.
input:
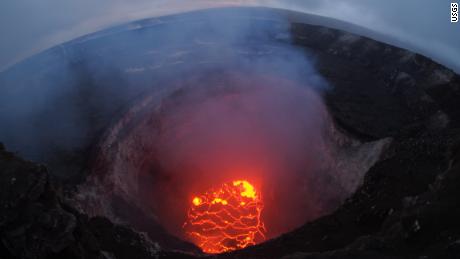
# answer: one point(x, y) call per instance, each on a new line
point(402, 210)
point(36, 221)
point(406, 206)
point(379, 89)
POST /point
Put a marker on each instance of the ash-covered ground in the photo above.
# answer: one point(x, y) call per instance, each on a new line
point(405, 207)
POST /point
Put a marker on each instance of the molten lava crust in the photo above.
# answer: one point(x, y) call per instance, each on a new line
point(226, 218)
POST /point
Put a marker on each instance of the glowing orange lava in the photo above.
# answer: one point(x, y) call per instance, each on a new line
point(227, 218)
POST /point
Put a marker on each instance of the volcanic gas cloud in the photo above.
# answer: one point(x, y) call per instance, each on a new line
point(242, 103)
point(225, 161)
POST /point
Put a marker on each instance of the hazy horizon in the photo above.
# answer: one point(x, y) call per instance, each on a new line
point(29, 27)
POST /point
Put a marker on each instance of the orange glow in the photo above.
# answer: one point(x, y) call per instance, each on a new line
point(196, 201)
point(227, 218)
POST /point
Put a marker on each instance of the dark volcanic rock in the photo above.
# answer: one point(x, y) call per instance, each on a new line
point(377, 88)
point(35, 223)
point(32, 221)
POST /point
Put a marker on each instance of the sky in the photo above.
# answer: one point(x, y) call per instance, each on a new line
point(30, 26)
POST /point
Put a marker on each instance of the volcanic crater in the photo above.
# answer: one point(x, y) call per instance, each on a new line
point(241, 132)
